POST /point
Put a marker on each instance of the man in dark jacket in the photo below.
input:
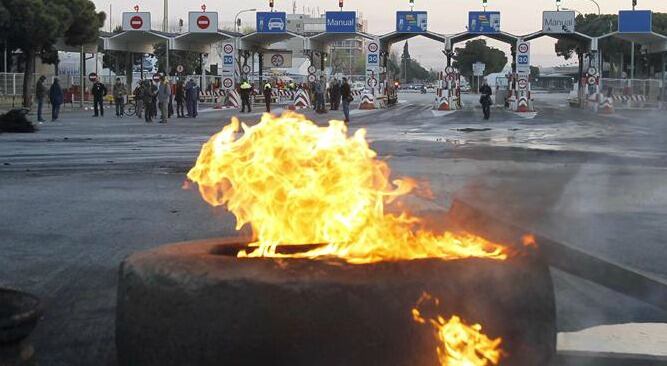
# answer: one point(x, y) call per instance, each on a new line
point(99, 91)
point(485, 99)
point(40, 93)
point(334, 95)
point(148, 100)
point(346, 95)
point(56, 97)
point(180, 99)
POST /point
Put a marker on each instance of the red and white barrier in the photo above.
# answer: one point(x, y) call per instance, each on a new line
point(367, 101)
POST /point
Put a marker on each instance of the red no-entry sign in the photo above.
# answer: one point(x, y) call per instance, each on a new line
point(92, 77)
point(136, 22)
point(203, 22)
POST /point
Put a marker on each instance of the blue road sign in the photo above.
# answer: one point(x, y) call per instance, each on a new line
point(271, 22)
point(341, 22)
point(411, 22)
point(637, 21)
point(228, 60)
point(484, 22)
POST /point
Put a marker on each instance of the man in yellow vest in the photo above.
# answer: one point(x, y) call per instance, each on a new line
point(267, 96)
point(245, 95)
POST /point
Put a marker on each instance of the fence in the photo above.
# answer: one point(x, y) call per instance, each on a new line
point(633, 92)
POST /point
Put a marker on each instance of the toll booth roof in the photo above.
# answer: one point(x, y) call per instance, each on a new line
point(200, 41)
point(394, 37)
point(576, 36)
point(261, 40)
point(329, 37)
point(641, 38)
point(500, 36)
point(135, 41)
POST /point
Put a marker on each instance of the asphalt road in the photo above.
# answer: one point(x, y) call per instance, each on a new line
point(83, 193)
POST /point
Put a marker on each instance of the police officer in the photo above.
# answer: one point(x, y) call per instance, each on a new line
point(99, 92)
point(267, 96)
point(245, 96)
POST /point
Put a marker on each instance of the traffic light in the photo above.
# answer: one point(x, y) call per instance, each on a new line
point(271, 4)
point(340, 4)
point(634, 4)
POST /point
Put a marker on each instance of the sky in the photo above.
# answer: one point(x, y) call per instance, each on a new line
point(444, 16)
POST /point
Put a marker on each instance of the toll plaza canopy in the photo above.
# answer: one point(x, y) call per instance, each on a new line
point(264, 40)
point(321, 41)
point(200, 42)
point(654, 42)
point(498, 36)
point(140, 41)
point(387, 40)
point(575, 36)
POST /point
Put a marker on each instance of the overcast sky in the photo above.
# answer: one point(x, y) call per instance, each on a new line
point(445, 16)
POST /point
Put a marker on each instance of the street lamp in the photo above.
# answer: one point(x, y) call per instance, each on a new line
point(236, 18)
point(596, 4)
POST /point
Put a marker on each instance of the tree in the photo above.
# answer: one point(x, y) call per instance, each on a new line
point(478, 51)
point(534, 72)
point(36, 25)
point(190, 60)
point(405, 63)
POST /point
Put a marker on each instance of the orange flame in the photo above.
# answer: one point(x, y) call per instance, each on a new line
point(459, 344)
point(529, 240)
point(297, 183)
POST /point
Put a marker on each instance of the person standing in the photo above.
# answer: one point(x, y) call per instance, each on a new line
point(245, 96)
point(119, 93)
point(334, 95)
point(180, 99)
point(268, 91)
point(191, 96)
point(56, 98)
point(139, 98)
point(320, 101)
point(163, 96)
point(40, 94)
point(485, 99)
point(148, 101)
point(99, 91)
point(346, 95)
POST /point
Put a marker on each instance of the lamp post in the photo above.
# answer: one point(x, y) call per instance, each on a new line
point(236, 23)
point(596, 4)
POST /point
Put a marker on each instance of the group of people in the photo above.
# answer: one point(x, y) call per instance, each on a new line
point(338, 92)
point(151, 97)
point(54, 93)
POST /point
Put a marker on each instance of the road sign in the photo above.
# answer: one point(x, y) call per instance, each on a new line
point(246, 69)
point(411, 21)
point(449, 69)
point(311, 69)
point(592, 71)
point(558, 22)
point(228, 83)
point(478, 68)
point(635, 21)
point(271, 22)
point(229, 62)
point(138, 21)
point(373, 47)
point(372, 82)
point(157, 77)
point(277, 60)
point(484, 22)
point(282, 59)
point(312, 78)
point(202, 22)
point(523, 57)
point(592, 80)
point(92, 77)
point(341, 22)
point(180, 68)
point(523, 84)
point(450, 77)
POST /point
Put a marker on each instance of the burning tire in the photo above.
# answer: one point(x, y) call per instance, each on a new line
point(197, 304)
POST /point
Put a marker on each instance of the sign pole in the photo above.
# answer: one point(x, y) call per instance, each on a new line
point(632, 61)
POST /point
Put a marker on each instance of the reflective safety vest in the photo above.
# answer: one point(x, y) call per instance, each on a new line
point(246, 85)
point(267, 85)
